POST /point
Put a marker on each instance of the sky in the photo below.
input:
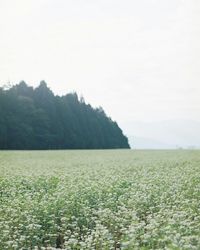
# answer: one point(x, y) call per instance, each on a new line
point(139, 60)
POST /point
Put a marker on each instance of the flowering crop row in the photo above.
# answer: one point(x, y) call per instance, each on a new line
point(118, 199)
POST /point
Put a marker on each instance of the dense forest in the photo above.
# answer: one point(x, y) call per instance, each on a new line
point(35, 118)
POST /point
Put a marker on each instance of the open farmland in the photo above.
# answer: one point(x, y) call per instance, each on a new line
point(117, 199)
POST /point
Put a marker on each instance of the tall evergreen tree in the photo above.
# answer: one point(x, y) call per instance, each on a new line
point(37, 119)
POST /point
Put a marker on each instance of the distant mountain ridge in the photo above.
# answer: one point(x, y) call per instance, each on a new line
point(148, 143)
point(179, 133)
point(37, 119)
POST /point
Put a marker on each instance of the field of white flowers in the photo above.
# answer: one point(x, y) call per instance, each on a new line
point(108, 200)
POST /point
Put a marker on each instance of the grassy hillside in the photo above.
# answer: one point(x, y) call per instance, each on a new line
point(118, 199)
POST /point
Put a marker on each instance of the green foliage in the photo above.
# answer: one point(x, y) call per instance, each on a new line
point(103, 200)
point(36, 119)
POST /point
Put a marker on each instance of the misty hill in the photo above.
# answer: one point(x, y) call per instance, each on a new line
point(37, 119)
point(147, 143)
point(164, 134)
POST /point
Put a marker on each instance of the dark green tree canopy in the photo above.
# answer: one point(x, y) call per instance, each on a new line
point(37, 119)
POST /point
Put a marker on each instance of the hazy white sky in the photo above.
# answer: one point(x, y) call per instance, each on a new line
point(139, 59)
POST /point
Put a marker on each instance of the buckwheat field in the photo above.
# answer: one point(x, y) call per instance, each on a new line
point(117, 199)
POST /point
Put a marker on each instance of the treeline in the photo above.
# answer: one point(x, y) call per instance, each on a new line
point(37, 119)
